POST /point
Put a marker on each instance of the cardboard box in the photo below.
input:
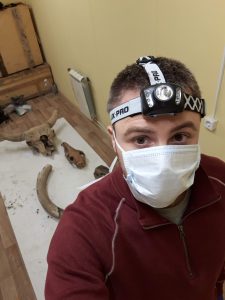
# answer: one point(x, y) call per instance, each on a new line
point(30, 83)
point(19, 47)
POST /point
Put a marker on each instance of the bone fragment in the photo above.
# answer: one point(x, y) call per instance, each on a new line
point(74, 156)
point(41, 188)
point(100, 171)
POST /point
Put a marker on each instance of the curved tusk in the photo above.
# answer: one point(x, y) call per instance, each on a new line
point(51, 121)
point(12, 137)
point(41, 188)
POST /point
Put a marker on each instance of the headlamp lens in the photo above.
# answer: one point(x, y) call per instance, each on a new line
point(164, 92)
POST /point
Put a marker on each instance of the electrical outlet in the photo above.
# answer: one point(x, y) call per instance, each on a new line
point(210, 123)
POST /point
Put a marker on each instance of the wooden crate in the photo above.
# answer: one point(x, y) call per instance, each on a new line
point(19, 46)
point(30, 83)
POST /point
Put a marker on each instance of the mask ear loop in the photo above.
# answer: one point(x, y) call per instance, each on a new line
point(113, 164)
point(121, 150)
point(117, 144)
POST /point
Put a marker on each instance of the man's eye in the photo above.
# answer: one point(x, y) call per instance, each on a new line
point(180, 137)
point(141, 140)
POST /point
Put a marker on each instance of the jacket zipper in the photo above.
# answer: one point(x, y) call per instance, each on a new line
point(182, 235)
point(187, 256)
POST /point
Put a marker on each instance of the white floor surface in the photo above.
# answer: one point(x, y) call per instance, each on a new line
point(19, 168)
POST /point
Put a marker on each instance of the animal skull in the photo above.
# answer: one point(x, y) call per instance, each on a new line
point(39, 138)
point(74, 156)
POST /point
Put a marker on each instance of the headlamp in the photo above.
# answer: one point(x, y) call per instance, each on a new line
point(162, 99)
point(159, 98)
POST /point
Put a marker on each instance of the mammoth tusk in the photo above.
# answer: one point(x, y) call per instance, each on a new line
point(51, 121)
point(41, 188)
point(12, 137)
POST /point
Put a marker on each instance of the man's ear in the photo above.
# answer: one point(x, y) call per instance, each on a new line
point(110, 131)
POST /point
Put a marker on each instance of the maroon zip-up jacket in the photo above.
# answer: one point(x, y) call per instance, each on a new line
point(108, 246)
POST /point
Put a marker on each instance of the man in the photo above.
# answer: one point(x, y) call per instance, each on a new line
point(154, 228)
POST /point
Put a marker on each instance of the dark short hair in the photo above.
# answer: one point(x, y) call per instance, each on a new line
point(134, 77)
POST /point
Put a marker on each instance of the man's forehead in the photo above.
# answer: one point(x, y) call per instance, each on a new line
point(128, 95)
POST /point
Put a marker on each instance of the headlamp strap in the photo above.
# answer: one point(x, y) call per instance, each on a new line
point(154, 73)
point(194, 104)
point(134, 107)
point(130, 108)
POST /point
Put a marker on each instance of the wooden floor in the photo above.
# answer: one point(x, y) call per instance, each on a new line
point(14, 280)
point(42, 107)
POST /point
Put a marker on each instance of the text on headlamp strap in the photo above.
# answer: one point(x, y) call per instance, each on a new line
point(126, 109)
point(154, 73)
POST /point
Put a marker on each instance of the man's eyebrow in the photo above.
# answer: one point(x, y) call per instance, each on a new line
point(187, 124)
point(136, 129)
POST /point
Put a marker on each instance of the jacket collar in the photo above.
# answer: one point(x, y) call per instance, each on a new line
point(202, 195)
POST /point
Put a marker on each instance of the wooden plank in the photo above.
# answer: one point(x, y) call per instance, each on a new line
point(30, 83)
point(6, 233)
point(20, 51)
point(1, 296)
point(22, 281)
point(14, 279)
point(4, 263)
point(8, 289)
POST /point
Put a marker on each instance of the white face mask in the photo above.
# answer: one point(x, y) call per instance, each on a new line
point(158, 175)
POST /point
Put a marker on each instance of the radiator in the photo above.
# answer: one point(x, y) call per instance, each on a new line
point(82, 92)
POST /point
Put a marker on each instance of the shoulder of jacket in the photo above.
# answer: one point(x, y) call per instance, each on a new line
point(214, 168)
point(100, 193)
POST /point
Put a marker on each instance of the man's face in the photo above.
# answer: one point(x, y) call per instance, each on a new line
point(139, 132)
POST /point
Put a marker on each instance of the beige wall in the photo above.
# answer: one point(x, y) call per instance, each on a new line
point(6, 2)
point(99, 37)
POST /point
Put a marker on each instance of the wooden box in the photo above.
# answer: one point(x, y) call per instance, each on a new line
point(19, 47)
point(30, 83)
